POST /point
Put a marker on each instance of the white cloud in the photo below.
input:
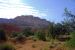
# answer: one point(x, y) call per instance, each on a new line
point(13, 8)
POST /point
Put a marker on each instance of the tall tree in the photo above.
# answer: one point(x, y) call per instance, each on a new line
point(70, 19)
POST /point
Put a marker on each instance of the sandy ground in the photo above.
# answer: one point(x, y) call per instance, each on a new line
point(37, 45)
point(31, 45)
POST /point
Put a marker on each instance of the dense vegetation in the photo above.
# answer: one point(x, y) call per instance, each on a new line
point(70, 22)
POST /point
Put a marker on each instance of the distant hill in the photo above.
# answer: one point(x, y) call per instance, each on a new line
point(26, 21)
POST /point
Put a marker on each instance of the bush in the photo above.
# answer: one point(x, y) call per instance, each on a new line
point(71, 42)
point(6, 47)
point(2, 35)
point(41, 36)
point(18, 36)
point(27, 32)
point(14, 34)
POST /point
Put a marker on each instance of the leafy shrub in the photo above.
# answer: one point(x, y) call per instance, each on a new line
point(6, 47)
point(18, 36)
point(14, 34)
point(34, 38)
point(27, 32)
point(41, 36)
point(71, 42)
point(2, 35)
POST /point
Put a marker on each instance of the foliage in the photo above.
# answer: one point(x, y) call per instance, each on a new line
point(40, 35)
point(57, 29)
point(15, 34)
point(2, 35)
point(71, 42)
point(50, 30)
point(18, 36)
point(6, 47)
point(70, 19)
point(27, 32)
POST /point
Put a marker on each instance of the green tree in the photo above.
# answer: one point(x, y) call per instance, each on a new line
point(57, 29)
point(51, 30)
point(70, 19)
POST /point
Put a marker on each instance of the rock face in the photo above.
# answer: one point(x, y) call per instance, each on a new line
point(26, 21)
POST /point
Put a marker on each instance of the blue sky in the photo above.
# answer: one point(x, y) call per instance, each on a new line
point(51, 10)
point(55, 8)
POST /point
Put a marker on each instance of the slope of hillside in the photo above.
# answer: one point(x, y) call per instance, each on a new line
point(32, 21)
point(26, 21)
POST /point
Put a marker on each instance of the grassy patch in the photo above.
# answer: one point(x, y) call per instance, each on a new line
point(6, 47)
point(71, 42)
